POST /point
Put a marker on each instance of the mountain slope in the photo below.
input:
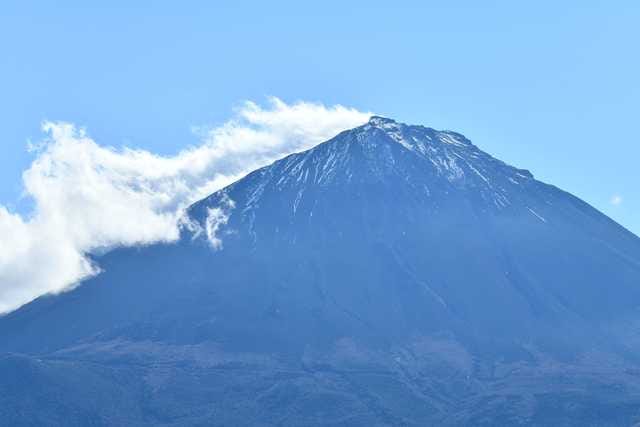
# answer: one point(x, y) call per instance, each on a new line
point(393, 275)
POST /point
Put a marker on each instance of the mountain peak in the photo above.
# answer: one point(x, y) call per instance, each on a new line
point(393, 275)
point(425, 164)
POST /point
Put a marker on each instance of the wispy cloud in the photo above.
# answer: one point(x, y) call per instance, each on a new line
point(92, 197)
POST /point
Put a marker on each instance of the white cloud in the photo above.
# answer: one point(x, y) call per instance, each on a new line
point(217, 217)
point(616, 200)
point(90, 197)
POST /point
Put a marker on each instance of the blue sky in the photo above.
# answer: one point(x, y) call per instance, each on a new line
point(546, 86)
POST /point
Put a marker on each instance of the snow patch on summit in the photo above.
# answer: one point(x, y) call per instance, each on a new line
point(434, 165)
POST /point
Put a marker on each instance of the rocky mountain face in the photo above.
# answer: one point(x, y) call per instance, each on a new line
point(393, 275)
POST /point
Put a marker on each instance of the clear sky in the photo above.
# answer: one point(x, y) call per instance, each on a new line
point(549, 86)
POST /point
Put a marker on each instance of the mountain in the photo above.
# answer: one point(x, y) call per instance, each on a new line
point(393, 275)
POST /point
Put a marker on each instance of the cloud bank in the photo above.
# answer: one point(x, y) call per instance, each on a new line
point(91, 197)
